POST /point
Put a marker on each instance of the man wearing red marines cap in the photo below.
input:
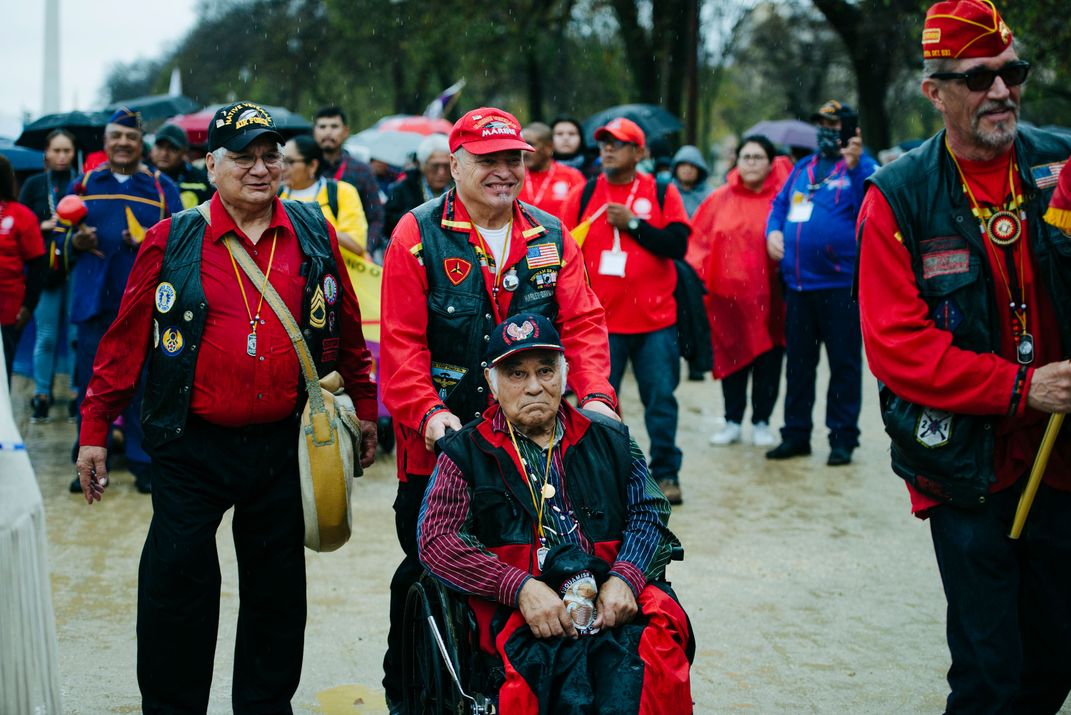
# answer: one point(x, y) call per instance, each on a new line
point(456, 267)
point(965, 302)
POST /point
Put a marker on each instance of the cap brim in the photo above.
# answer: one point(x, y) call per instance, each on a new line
point(241, 141)
point(525, 348)
point(490, 146)
point(168, 140)
point(604, 132)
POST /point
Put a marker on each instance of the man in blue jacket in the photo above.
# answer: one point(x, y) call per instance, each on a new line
point(124, 198)
point(811, 231)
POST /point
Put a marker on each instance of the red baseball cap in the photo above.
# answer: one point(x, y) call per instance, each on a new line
point(624, 129)
point(486, 130)
point(963, 29)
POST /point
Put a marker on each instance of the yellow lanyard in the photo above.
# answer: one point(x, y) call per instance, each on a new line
point(546, 490)
point(491, 256)
point(253, 319)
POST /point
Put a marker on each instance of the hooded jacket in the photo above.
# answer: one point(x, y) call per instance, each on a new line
point(689, 154)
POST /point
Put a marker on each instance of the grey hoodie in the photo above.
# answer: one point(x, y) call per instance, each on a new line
point(689, 154)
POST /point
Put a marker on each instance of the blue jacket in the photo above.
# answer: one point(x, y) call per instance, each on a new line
point(98, 282)
point(820, 252)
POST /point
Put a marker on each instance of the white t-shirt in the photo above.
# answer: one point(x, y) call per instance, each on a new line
point(496, 241)
point(309, 193)
point(121, 178)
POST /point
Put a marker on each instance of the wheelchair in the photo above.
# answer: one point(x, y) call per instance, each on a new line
point(444, 672)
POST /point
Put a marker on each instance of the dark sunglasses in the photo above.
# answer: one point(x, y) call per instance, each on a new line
point(615, 144)
point(981, 79)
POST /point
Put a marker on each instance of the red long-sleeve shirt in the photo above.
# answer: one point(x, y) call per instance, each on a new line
point(405, 370)
point(917, 360)
point(230, 388)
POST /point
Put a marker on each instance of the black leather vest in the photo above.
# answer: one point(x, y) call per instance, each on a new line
point(180, 311)
point(460, 315)
point(950, 456)
point(597, 471)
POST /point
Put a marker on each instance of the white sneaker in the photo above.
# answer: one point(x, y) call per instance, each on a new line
point(761, 436)
point(729, 434)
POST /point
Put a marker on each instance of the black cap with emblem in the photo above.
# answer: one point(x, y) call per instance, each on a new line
point(236, 125)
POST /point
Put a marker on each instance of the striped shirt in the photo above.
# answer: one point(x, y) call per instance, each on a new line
point(452, 554)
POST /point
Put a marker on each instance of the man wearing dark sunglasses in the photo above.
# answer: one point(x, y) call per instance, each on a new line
point(965, 303)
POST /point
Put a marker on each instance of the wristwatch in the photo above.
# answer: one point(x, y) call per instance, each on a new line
point(633, 225)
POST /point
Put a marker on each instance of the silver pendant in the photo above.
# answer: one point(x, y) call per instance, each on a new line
point(251, 344)
point(1025, 350)
point(541, 556)
point(510, 281)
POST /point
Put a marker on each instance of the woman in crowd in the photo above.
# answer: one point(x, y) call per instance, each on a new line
point(339, 200)
point(744, 301)
point(22, 264)
point(40, 193)
point(569, 145)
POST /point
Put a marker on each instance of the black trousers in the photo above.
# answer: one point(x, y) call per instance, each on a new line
point(1009, 603)
point(406, 512)
point(197, 478)
point(765, 372)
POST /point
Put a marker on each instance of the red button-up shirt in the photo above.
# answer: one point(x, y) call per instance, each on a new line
point(230, 388)
point(917, 360)
point(405, 367)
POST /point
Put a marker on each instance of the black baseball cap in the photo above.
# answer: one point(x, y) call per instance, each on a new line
point(174, 135)
point(236, 125)
point(526, 331)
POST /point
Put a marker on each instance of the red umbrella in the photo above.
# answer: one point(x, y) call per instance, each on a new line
point(414, 124)
point(196, 125)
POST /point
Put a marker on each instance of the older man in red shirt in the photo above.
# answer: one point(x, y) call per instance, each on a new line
point(964, 298)
point(220, 415)
point(455, 268)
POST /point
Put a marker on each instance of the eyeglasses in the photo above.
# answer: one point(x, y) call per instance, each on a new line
point(290, 162)
point(248, 161)
point(751, 158)
point(614, 144)
point(980, 79)
point(436, 166)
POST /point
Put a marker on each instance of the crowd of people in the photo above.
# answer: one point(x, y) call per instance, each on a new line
point(517, 266)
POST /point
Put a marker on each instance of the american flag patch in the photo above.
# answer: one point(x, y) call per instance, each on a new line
point(1046, 175)
point(543, 255)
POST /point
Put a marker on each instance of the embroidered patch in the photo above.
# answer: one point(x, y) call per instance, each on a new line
point(945, 263)
point(934, 428)
point(317, 309)
point(165, 297)
point(418, 253)
point(329, 351)
point(947, 315)
point(542, 256)
point(537, 295)
point(446, 377)
point(172, 342)
point(330, 289)
point(546, 278)
point(520, 332)
point(1047, 175)
point(457, 269)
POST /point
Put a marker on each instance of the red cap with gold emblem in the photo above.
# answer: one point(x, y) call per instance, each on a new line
point(1059, 213)
point(961, 29)
point(487, 130)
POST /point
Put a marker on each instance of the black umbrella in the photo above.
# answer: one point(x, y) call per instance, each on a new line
point(21, 159)
point(87, 128)
point(654, 120)
point(289, 124)
point(155, 107)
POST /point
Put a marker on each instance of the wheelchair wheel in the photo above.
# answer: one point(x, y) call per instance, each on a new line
point(427, 686)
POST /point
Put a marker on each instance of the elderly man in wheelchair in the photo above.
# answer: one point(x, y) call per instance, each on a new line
point(546, 520)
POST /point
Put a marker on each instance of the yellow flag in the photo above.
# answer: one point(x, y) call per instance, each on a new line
point(580, 231)
point(137, 231)
point(367, 278)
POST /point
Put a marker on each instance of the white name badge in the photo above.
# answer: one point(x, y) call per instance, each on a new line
point(612, 263)
point(801, 212)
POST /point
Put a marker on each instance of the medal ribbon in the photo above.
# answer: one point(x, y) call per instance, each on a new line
point(529, 478)
point(253, 319)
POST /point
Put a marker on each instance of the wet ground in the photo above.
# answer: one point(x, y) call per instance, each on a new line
point(811, 589)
